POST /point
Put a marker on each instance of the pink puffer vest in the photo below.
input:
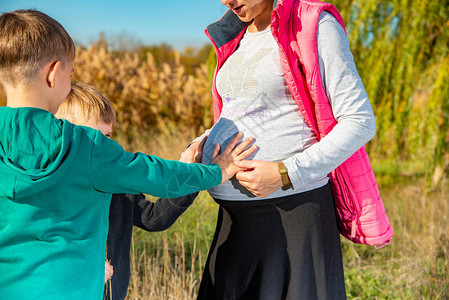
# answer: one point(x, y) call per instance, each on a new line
point(360, 210)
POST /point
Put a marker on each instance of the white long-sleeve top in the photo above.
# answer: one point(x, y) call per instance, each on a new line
point(257, 102)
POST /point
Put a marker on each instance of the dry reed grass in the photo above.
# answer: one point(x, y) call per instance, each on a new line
point(164, 274)
point(151, 98)
point(168, 264)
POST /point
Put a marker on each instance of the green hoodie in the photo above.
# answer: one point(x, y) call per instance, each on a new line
point(56, 181)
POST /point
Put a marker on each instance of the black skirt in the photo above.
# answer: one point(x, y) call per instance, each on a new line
point(283, 248)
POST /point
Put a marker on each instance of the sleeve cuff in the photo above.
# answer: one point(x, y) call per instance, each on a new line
point(293, 172)
point(200, 138)
point(185, 201)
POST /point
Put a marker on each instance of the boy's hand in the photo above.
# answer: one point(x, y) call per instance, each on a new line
point(189, 155)
point(195, 156)
point(232, 153)
point(108, 271)
point(199, 155)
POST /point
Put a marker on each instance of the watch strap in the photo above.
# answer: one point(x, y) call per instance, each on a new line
point(286, 182)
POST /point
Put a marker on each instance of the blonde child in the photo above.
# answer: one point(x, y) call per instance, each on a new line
point(85, 105)
point(56, 178)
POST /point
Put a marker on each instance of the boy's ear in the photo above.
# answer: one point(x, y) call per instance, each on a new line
point(51, 75)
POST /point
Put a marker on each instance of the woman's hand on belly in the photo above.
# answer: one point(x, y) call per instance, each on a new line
point(260, 177)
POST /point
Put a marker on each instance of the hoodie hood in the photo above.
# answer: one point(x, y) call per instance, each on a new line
point(32, 148)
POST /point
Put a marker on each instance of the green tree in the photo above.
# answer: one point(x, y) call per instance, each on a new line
point(401, 48)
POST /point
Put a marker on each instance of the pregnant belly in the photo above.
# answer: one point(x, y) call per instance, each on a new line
point(274, 142)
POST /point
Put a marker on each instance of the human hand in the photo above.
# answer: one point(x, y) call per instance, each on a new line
point(108, 271)
point(188, 156)
point(198, 158)
point(231, 154)
point(199, 155)
point(260, 177)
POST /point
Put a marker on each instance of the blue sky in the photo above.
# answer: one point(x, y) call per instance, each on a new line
point(175, 22)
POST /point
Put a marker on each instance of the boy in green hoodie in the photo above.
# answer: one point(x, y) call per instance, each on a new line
point(87, 106)
point(56, 178)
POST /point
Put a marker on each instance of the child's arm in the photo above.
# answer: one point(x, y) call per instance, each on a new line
point(160, 215)
point(117, 171)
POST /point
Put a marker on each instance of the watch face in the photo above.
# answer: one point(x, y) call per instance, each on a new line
point(282, 168)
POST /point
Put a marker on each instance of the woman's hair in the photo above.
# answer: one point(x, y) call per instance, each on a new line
point(29, 39)
point(84, 103)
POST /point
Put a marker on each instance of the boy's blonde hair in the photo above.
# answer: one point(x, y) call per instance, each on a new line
point(84, 103)
point(29, 39)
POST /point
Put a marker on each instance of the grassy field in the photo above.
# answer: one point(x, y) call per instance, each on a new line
point(168, 265)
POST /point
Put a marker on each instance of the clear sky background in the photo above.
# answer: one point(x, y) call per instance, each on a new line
point(179, 23)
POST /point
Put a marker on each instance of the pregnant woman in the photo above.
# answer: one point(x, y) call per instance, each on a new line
point(276, 234)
